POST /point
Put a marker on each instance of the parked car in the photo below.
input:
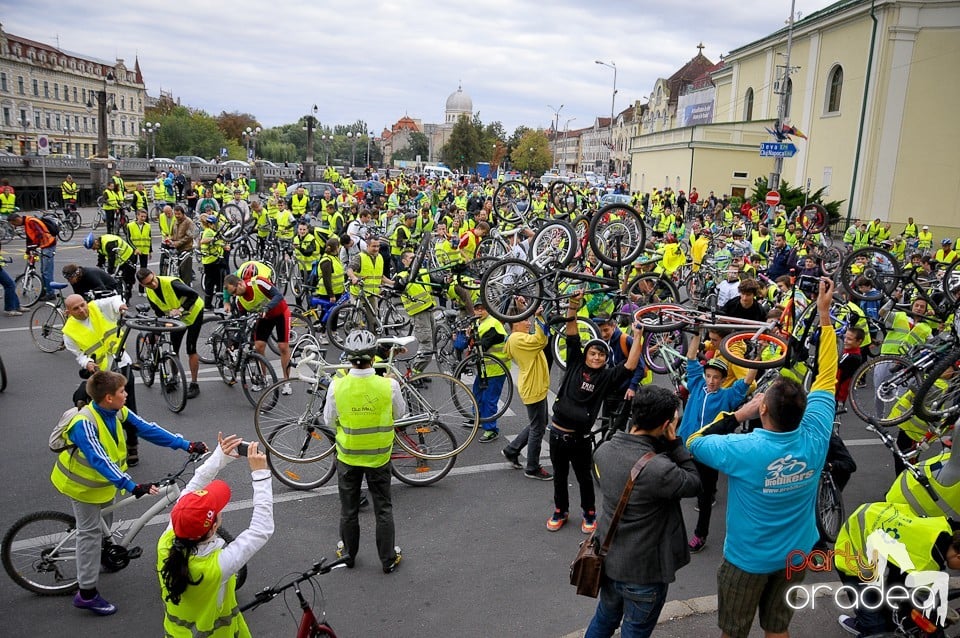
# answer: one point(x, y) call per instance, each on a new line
point(235, 164)
point(190, 159)
point(611, 198)
point(314, 189)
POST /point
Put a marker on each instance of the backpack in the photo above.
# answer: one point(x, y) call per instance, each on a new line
point(58, 437)
point(52, 223)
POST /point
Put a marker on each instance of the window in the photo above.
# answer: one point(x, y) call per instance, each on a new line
point(748, 105)
point(23, 118)
point(36, 120)
point(47, 120)
point(86, 126)
point(740, 175)
point(20, 84)
point(74, 94)
point(66, 93)
point(76, 122)
point(123, 127)
point(46, 89)
point(6, 116)
point(56, 122)
point(56, 91)
point(3, 82)
point(123, 103)
point(36, 88)
point(113, 127)
point(84, 96)
point(835, 82)
point(787, 98)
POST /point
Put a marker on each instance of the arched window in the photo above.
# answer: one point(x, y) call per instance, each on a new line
point(787, 98)
point(835, 82)
point(748, 105)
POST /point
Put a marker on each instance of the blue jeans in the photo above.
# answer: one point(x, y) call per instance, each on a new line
point(10, 299)
point(487, 399)
point(637, 605)
point(46, 267)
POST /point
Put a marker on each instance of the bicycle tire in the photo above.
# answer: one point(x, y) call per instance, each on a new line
point(346, 318)
point(205, 339)
point(305, 476)
point(439, 398)
point(73, 219)
point(46, 327)
point(558, 342)
point(554, 245)
point(813, 218)
point(831, 260)
point(873, 404)
point(66, 232)
point(652, 288)
point(881, 270)
point(504, 282)
point(240, 252)
point(492, 248)
point(755, 344)
point(3, 376)
point(98, 220)
point(563, 198)
point(256, 377)
point(173, 382)
point(508, 201)
point(661, 317)
point(29, 288)
point(26, 554)
point(617, 234)
point(300, 325)
point(936, 403)
point(951, 282)
point(830, 516)
point(227, 539)
point(225, 358)
point(468, 373)
point(655, 361)
point(233, 213)
point(394, 322)
point(446, 354)
point(286, 424)
point(428, 438)
point(145, 357)
point(155, 324)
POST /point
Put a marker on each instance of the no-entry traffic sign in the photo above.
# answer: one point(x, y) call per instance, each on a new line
point(773, 198)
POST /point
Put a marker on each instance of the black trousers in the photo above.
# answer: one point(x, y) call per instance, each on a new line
point(568, 450)
point(708, 490)
point(349, 480)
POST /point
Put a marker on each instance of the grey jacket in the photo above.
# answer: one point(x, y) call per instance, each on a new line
point(650, 543)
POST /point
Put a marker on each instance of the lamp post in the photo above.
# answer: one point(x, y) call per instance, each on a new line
point(353, 147)
point(101, 97)
point(565, 127)
point(250, 135)
point(613, 102)
point(556, 125)
point(25, 123)
point(309, 166)
point(326, 140)
point(152, 129)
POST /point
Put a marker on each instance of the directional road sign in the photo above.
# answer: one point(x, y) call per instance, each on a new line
point(778, 149)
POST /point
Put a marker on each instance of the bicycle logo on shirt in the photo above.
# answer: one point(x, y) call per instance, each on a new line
point(786, 470)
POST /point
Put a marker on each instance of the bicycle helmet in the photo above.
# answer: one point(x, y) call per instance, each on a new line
point(249, 272)
point(360, 346)
point(210, 219)
point(88, 241)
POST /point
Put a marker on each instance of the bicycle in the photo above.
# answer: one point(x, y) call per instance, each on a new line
point(39, 550)
point(30, 283)
point(232, 347)
point(47, 320)
point(309, 626)
point(829, 508)
point(3, 376)
point(477, 367)
point(359, 313)
point(155, 354)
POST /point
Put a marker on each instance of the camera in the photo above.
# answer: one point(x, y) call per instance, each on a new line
point(242, 448)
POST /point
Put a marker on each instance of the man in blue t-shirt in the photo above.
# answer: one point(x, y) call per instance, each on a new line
point(773, 475)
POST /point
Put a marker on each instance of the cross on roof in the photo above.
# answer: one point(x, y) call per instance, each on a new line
point(700, 47)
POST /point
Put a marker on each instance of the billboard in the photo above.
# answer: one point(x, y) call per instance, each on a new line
point(701, 113)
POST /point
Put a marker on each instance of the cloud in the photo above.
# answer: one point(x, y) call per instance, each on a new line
point(378, 61)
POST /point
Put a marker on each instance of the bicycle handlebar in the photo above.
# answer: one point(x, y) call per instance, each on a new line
point(319, 568)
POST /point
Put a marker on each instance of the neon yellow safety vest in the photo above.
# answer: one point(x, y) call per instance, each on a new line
point(418, 294)
point(371, 272)
point(124, 250)
point(925, 240)
point(219, 190)
point(8, 202)
point(99, 341)
point(298, 204)
point(260, 298)
point(198, 613)
point(141, 236)
point(168, 300)
point(286, 225)
point(497, 350)
point(901, 337)
point(159, 192)
point(917, 533)
point(69, 190)
point(365, 420)
point(910, 231)
point(337, 276)
point(210, 251)
point(907, 489)
point(914, 427)
point(112, 199)
point(400, 239)
point(166, 225)
point(73, 476)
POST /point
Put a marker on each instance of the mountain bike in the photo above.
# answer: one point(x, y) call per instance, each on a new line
point(155, 354)
point(477, 367)
point(39, 550)
point(309, 626)
point(30, 282)
point(232, 347)
point(47, 320)
point(368, 311)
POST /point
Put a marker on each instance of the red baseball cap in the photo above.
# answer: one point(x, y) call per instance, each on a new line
point(195, 512)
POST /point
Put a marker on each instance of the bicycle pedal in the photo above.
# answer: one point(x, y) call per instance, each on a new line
point(134, 552)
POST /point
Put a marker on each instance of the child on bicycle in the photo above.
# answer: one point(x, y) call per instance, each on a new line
point(197, 571)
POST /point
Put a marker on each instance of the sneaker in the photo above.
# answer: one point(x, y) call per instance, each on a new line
point(539, 474)
point(254, 387)
point(287, 389)
point(512, 459)
point(696, 508)
point(849, 624)
point(97, 605)
point(341, 552)
point(589, 523)
point(13, 313)
point(555, 522)
point(489, 436)
point(397, 556)
point(697, 544)
point(193, 391)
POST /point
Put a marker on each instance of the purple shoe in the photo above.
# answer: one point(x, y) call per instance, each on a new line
point(97, 605)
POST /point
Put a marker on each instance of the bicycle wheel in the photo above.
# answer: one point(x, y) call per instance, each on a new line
point(173, 382)
point(476, 375)
point(298, 475)
point(829, 508)
point(558, 342)
point(300, 325)
point(447, 356)
point(66, 232)
point(652, 288)
point(877, 386)
point(492, 248)
point(656, 355)
point(3, 376)
point(813, 218)
point(46, 327)
point(877, 266)
point(145, 358)
point(504, 282)
point(760, 352)
point(831, 260)
point(99, 219)
point(617, 234)
point(29, 288)
point(290, 426)
point(563, 198)
point(241, 251)
point(951, 282)
point(426, 438)
point(256, 375)
point(394, 321)
point(662, 317)
point(205, 340)
point(39, 553)
point(937, 397)
point(511, 201)
point(345, 319)
point(72, 218)
point(434, 398)
point(553, 246)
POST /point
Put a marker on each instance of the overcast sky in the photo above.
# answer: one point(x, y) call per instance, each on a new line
point(378, 61)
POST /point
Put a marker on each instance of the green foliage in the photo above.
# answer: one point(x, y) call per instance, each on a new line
point(463, 149)
point(419, 145)
point(532, 153)
point(792, 196)
point(190, 132)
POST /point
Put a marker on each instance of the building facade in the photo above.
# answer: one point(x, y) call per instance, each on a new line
point(48, 91)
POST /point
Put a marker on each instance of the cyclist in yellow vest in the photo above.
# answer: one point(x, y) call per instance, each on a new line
point(364, 407)
point(491, 335)
point(281, 187)
point(69, 191)
point(299, 202)
point(331, 278)
point(891, 537)
point(286, 222)
point(946, 255)
point(170, 297)
point(910, 230)
point(943, 477)
point(368, 265)
point(92, 469)
point(117, 255)
point(112, 200)
point(418, 301)
point(197, 571)
point(8, 199)
point(925, 241)
point(139, 199)
point(167, 223)
point(141, 238)
point(306, 250)
point(212, 258)
point(219, 191)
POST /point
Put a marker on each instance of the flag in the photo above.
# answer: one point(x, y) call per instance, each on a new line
point(789, 130)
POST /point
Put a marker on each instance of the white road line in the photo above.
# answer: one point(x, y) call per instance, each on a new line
point(15, 329)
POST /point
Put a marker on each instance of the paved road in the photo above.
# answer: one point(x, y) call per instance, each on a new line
point(478, 560)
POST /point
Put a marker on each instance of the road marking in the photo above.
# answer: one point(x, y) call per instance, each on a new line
point(859, 442)
point(14, 329)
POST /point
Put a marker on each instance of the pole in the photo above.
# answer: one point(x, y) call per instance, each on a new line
point(613, 103)
point(773, 183)
point(102, 123)
point(863, 113)
point(43, 165)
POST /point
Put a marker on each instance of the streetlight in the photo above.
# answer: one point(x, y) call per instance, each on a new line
point(327, 140)
point(556, 125)
point(565, 127)
point(613, 102)
point(369, 138)
point(101, 97)
point(152, 129)
point(353, 147)
point(250, 135)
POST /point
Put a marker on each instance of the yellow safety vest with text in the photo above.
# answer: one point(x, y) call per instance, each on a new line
point(365, 420)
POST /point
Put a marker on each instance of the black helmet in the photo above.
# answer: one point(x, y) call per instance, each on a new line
point(360, 345)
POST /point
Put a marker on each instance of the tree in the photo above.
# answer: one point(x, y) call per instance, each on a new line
point(419, 145)
point(532, 153)
point(234, 124)
point(190, 132)
point(791, 197)
point(463, 149)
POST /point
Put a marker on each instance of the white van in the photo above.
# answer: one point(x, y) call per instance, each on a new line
point(437, 172)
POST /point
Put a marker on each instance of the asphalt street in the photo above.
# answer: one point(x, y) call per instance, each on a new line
point(477, 557)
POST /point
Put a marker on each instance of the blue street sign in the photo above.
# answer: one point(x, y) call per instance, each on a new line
point(778, 149)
